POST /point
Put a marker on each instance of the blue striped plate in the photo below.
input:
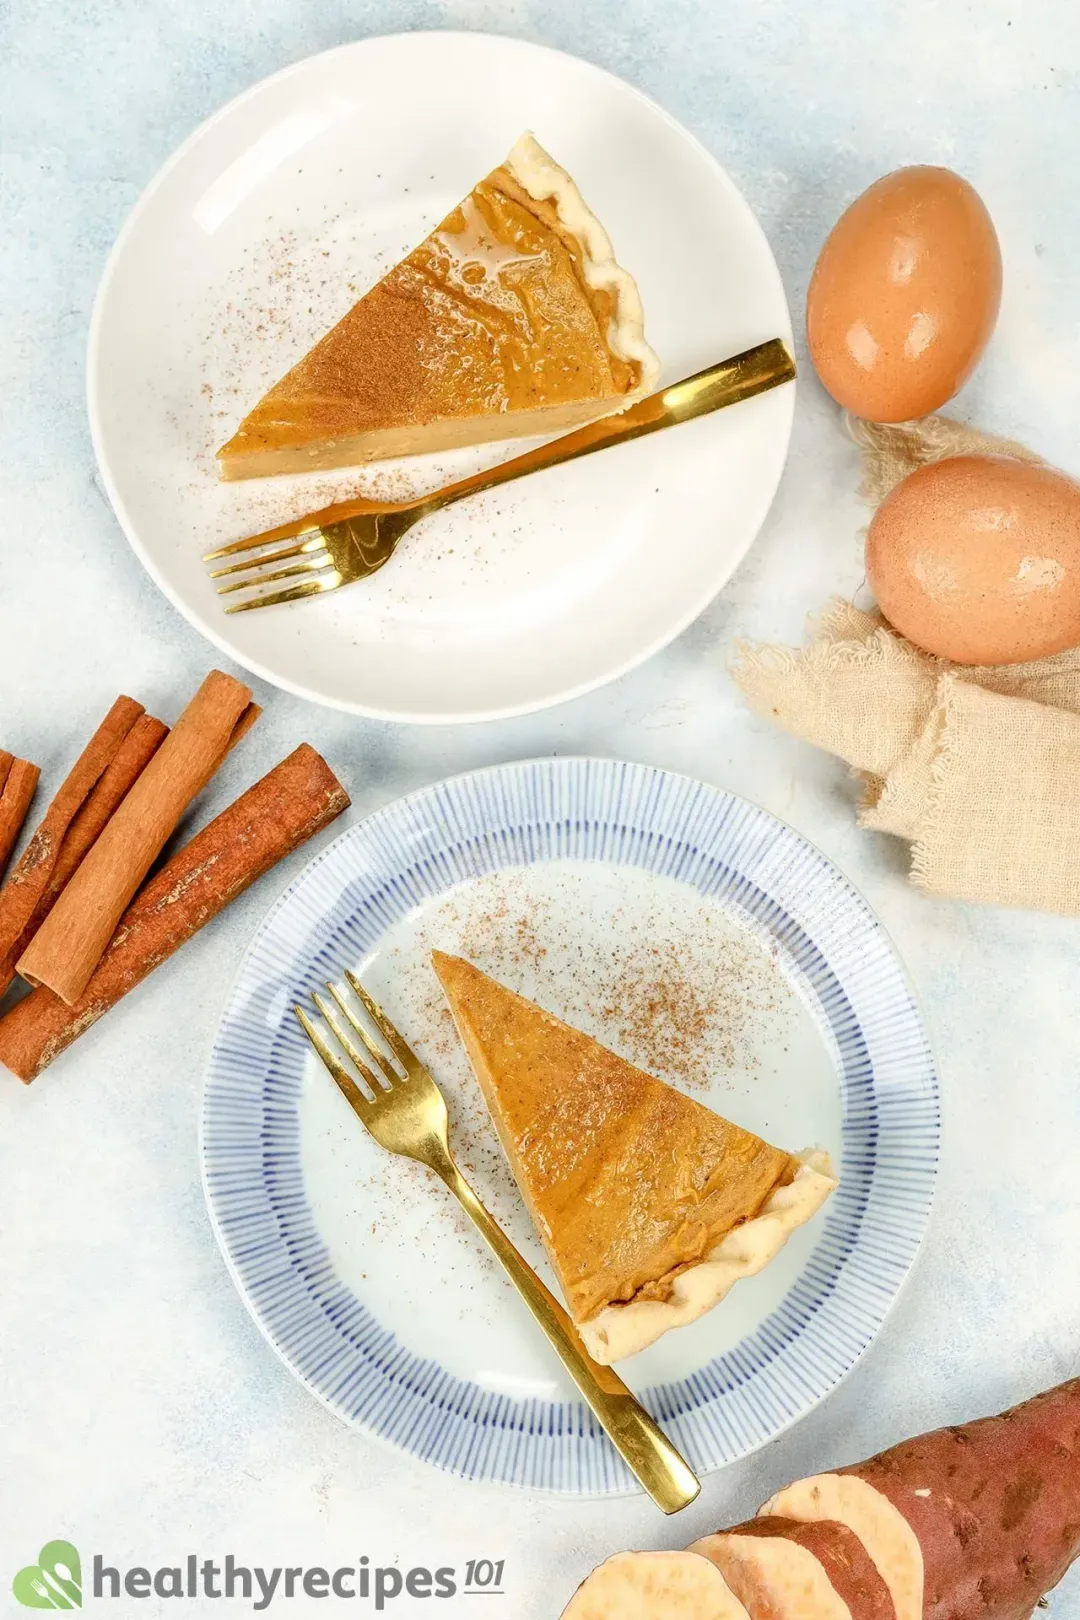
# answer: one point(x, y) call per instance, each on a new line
point(687, 928)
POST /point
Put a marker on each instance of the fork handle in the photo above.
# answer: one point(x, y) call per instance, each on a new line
point(754, 371)
point(642, 1444)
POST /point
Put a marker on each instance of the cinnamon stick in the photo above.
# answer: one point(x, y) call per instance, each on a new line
point(242, 727)
point(133, 755)
point(69, 944)
point(288, 806)
point(18, 781)
point(34, 869)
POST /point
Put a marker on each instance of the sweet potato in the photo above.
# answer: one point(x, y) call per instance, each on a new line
point(655, 1586)
point(968, 1523)
point(783, 1570)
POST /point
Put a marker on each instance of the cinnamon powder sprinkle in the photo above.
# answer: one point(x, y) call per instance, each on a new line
point(682, 1019)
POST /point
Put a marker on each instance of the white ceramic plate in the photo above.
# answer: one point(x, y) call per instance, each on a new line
point(265, 227)
point(688, 929)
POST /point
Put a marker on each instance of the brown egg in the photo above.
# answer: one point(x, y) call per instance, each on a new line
point(904, 295)
point(977, 559)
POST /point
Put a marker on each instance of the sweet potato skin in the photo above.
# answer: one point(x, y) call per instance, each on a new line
point(995, 1505)
point(846, 1562)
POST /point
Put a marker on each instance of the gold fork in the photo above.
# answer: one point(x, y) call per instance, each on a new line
point(351, 539)
point(407, 1115)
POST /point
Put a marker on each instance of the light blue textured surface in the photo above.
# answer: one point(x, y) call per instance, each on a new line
point(140, 1412)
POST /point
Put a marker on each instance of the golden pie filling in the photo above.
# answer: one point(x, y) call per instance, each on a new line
point(511, 318)
point(650, 1205)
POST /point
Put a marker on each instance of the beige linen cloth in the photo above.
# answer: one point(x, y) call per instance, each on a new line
point(978, 768)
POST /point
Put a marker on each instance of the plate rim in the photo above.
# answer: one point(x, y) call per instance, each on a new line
point(216, 635)
point(548, 762)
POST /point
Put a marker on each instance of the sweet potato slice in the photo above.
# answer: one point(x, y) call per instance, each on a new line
point(887, 1536)
point(968, 1523)
point(782, 1570)
point(655, 1586)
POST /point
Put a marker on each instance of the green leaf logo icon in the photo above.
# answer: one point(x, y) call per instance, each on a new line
point(54, 1582)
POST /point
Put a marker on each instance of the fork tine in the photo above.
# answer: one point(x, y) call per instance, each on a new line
point(347, 1045)
point(385, 1066)
point(397, 1043)
point(284, 531)
point(310, 523)
point(314, 543)
point(345, 1082)
point(310, 565)
point(295, 593)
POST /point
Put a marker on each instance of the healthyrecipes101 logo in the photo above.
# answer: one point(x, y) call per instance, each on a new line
point(55, 1581)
